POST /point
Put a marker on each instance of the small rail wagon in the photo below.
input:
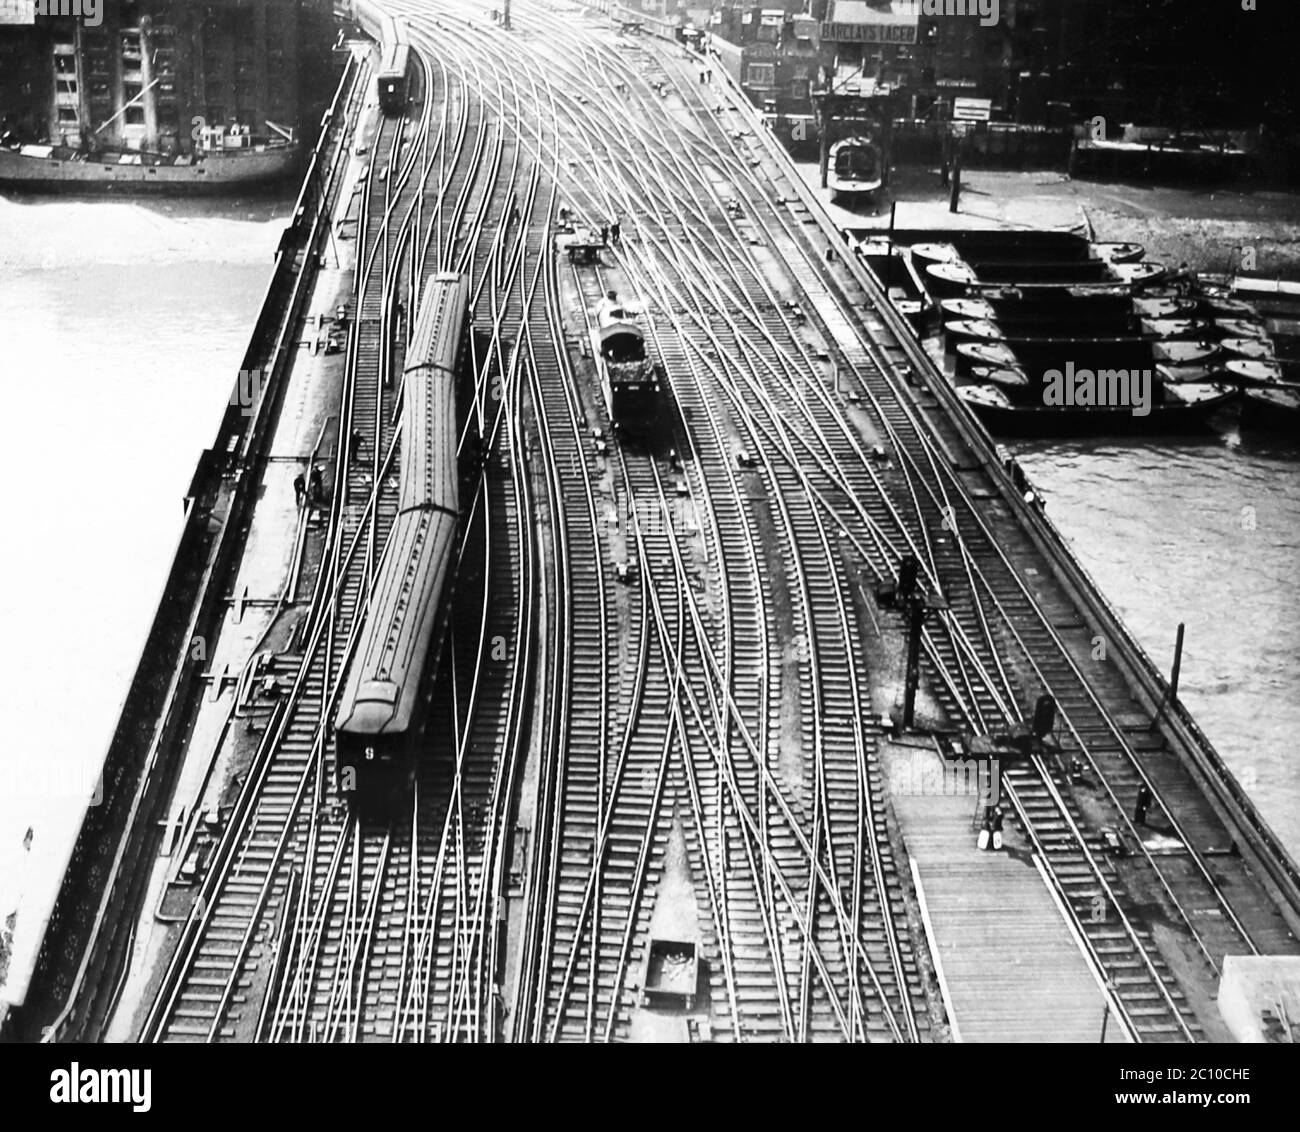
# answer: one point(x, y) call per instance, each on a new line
point(671, 976)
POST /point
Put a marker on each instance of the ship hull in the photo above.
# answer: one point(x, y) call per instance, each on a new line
point(213, 175)
point(1038, 422)
point(1275, 410)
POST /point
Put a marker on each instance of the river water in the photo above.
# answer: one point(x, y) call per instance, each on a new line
point(1207, 534)
point(124, 325)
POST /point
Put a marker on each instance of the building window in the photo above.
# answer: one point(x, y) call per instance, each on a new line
point(761, 74)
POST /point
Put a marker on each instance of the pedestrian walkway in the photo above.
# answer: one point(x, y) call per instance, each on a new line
point(1012, 971)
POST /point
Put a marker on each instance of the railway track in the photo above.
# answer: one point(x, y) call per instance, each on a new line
point(236, 911)
point(698, 743)
point(596, 751)
point(331, 899)
point(967, 646)
point(1088, 884)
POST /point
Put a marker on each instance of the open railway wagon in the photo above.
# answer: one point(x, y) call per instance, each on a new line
point(400, 638)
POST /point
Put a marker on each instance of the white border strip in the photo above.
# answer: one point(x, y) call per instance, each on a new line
point(934, 951)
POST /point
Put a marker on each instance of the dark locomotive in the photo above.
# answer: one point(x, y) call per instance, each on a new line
point(629, 379)
point(406, 616)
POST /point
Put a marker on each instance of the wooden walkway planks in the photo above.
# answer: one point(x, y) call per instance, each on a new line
point(1012, 969)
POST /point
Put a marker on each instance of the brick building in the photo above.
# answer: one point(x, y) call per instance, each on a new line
point(773, 53)
point(1181, 63)
point(152, 74)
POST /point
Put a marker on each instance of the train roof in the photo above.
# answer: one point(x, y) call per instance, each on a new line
point(430, 439)
point(383, 682)
point(444, 310)
point(624, 335)
point(383, 685)
point(396, 60)
point(393, 30)
point(853, 143)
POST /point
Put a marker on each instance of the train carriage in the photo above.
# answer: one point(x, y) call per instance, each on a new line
point(404, 623)
point(393, 82)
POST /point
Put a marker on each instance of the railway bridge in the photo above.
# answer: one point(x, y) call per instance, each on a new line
point(662, 791)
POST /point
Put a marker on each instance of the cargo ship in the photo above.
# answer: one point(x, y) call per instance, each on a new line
point(248, 162)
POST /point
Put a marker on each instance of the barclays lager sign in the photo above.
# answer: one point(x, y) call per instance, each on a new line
point(855, 21)
point(869, 33)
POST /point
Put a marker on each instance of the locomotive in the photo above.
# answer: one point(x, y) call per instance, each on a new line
point(630, 381)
